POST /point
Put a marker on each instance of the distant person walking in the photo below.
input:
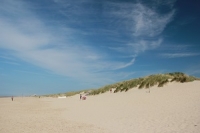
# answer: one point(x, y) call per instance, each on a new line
point(80, 96)
point(12, 98)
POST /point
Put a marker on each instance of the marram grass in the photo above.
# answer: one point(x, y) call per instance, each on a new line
point(146, 82)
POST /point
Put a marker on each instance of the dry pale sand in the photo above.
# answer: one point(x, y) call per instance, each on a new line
point(174, 108)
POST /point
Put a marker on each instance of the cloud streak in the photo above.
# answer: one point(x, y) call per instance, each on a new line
point(179, 55)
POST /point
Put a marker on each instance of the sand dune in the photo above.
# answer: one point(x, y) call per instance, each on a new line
point(174, 108)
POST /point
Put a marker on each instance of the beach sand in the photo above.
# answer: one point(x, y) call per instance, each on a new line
point(174, 108)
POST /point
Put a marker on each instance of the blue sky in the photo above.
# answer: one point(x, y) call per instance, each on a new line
point(53, 46)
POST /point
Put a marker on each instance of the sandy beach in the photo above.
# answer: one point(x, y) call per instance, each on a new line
point(174, 108)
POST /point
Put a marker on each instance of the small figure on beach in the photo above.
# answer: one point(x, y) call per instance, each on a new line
point(83, 97)
point(110, 90)
point(12, 98)
point(80, 96)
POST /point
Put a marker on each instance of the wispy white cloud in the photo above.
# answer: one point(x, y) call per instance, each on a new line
point(154, 3)
point(143, 45)
point(179, 55)
point(176, 47)
point(147, 22)
point(144, 24)
point(138, 46)
point(33, 73)
point(122, 65)
point(6, 57)
point(9, 62)
point(140, 19)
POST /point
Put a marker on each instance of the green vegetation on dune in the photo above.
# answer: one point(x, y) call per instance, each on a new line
point(146, 82)
point(159, 79)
